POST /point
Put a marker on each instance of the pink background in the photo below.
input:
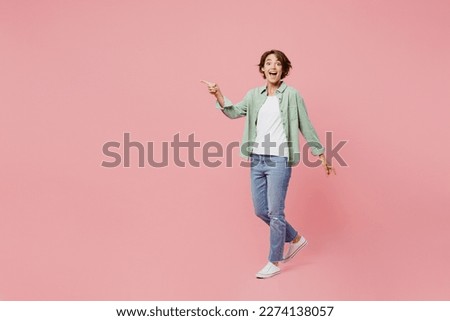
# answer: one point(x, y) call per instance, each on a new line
point(77, 74)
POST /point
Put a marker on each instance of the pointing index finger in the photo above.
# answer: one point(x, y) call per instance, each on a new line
point(206, 82)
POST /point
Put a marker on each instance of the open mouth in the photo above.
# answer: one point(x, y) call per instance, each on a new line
point(273, 74)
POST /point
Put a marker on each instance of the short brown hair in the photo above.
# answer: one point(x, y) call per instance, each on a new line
point(285, 63)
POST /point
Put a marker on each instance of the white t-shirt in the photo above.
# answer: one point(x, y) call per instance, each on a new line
point(269, 123)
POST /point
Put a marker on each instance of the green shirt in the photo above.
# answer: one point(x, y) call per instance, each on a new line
point(293, 115)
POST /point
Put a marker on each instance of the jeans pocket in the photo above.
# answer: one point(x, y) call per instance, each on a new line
point(279, 159)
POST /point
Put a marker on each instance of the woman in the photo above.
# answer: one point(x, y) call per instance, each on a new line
point(274, 114)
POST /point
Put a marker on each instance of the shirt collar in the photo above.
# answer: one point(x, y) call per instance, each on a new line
point(280, 89)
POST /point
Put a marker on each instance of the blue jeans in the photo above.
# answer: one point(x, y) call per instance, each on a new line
point(269, 182)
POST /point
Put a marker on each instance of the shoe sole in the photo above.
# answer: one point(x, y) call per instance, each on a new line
point(269, 276)
point(296, 251)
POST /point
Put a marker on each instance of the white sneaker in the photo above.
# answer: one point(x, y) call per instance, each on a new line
point(268, 271)
point(294, 248)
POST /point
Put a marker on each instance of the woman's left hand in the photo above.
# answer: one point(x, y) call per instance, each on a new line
point(328, 168)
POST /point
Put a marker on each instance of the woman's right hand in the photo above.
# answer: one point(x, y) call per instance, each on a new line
point(213, 88)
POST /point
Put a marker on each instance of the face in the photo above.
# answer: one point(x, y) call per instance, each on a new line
point(272, 69)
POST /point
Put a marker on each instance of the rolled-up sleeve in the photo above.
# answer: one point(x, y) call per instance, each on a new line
point(307, 129)
point(235, 110)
